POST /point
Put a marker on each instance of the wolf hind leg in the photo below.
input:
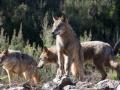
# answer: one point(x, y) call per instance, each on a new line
point(9, 76)
point(74, 71)
point(25, 75)
point(79, 67)
point(100, 68)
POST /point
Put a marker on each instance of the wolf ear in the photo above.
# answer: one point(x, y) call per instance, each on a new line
point(45, 49)
point(64, 18)
point(55, 18)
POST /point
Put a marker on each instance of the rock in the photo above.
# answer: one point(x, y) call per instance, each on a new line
point(118, 87)
point(107, 84)
point(83, 85)
point(51, 85)
point(102, 85)
point(80, 86)
point(70, 87)
point(27, 86)
point(1, 86)
point(67, 84)
point(16, 88)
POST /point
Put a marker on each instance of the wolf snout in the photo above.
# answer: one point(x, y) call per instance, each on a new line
point(53, 35)
point(40, 66)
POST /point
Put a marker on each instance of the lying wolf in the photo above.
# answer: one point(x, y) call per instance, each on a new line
point(21, 64)
point(100, 52)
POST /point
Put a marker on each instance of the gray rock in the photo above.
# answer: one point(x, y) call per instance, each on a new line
point(16, 88)
point(51, 85)
point(67, 84)
point(110, 84)
point(102, 85)
point(118, 87)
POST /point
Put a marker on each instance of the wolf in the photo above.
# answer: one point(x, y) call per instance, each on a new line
point(101, 53)
point(68, 48)
point(21, 64)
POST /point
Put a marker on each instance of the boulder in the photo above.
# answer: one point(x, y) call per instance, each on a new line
point(102, 85)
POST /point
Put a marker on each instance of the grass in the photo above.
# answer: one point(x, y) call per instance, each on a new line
point(112, 74)
point(3, 77)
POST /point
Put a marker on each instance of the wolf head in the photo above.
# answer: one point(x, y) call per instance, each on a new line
point(43, 57)
point(2, 55)
point(59, 25)
point(46, 57)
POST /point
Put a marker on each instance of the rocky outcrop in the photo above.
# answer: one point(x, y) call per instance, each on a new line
point(102, 85)
point(59, 85)
point(67, 84)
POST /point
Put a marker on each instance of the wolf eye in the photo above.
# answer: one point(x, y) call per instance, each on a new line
point(47, 54)
point(59, 26)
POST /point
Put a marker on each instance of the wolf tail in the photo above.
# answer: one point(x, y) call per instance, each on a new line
point(77, 65)
point(116, 47)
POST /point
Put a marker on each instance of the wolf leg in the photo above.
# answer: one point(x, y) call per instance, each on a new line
point(9, 76)
point(60, 64)
point(24, 74)
point(67, 64)
point(73, 69)
point(100, 68)
point(60, 69)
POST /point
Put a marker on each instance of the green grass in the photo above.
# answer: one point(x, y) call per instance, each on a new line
point(3, 77)
point(112, 75)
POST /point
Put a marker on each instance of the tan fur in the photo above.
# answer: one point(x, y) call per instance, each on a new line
point(100, 52)
point(21, 64)
point(68, 48)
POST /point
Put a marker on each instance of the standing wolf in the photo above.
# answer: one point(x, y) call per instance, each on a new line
point(68, 48)
point(100, 53)
point(21, 64)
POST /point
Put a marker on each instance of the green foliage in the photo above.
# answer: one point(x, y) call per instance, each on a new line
point(100, 17)
point(86, 37)
point(95, 16)
point(3, 41)
point(17, 42)
point(32, 50)
point(47, 36)
point(112, 75)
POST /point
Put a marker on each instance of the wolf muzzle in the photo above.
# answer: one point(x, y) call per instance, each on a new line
point(40, 64)
point(40, 67)
point(54, 35)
